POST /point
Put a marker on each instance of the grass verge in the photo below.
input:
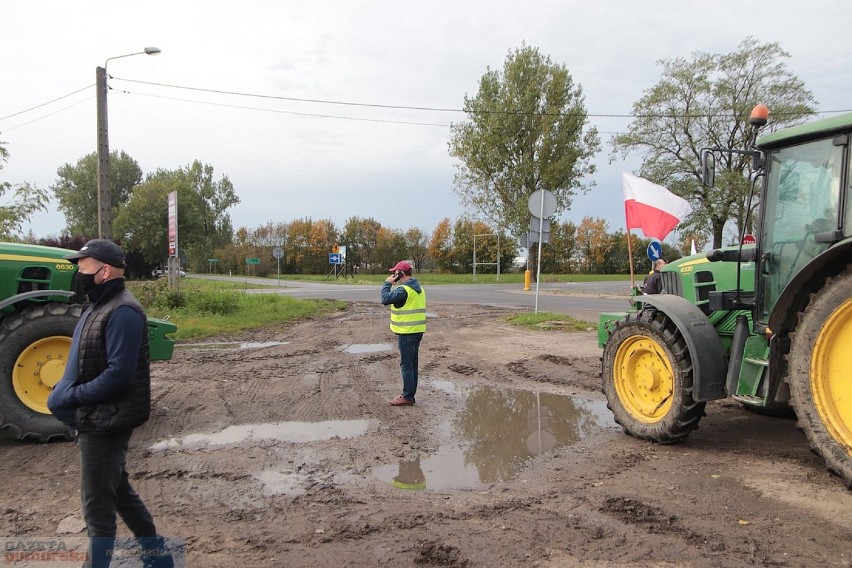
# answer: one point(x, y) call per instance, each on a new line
point(206, 308)
point(547, 321)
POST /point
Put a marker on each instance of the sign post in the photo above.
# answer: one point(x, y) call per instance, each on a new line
point(278, 252)
point(542, 202)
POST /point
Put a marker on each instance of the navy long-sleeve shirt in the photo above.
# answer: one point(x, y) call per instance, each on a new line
point(123, 340)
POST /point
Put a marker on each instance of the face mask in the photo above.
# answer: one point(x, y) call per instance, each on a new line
point(86, 282)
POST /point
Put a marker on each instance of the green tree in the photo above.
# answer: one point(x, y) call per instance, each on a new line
point(526, 130)
point(76, 190)
point(416, 244)
point(559, 255)
point(360, 237)
point(705, 102)
point(25, 200)
point(391, 247)
point(203, 222)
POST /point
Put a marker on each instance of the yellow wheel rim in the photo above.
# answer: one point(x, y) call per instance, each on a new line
point(37, 370)
point(830, 384)
point(644, 379)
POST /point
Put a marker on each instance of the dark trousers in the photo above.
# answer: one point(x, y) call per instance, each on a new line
point(409, 347)
point(105, 490)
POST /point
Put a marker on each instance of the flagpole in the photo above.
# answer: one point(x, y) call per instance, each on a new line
point(630, 259)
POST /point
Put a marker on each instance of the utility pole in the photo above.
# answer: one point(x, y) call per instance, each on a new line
point(104, 193)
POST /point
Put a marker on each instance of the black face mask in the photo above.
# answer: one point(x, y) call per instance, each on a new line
point(86, 282)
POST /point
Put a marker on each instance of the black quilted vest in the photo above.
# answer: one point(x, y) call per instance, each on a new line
point(131, 408)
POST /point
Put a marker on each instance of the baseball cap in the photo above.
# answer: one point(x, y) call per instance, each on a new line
point(401, 265)
point(100, 249)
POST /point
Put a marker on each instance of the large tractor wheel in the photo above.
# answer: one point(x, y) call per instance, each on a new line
point(34, 347)
point(647, 379)
point(819, 376)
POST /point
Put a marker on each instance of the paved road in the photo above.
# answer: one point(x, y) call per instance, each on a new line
point(584, 300)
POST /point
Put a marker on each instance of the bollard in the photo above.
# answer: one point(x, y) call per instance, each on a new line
point(527, 280)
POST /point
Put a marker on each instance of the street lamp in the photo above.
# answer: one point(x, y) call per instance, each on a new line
point(104, 194)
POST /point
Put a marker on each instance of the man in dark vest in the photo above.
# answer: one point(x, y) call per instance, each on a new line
point(104, 394)
point(654, 281)
point(408, 322)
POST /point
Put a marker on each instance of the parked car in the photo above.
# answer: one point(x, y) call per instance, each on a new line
point(157, 272)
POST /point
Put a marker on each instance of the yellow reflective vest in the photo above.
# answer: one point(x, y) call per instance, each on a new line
point(411, 317)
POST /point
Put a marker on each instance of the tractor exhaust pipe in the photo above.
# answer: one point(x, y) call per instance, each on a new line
point(735, 363)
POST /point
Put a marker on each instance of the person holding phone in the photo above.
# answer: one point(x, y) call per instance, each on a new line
point(408, 321)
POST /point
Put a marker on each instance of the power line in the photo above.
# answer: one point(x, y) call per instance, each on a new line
point(47, 103)
point(293, 99)
point(306, 114)
point(48, 115)
point(430, 109)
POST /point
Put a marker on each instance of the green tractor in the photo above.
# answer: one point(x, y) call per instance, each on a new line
point(38, 311)
point(768, 324)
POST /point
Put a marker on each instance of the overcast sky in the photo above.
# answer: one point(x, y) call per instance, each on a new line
point(290, 159)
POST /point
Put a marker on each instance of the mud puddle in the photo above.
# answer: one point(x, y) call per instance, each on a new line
point(495, 434)
point(232, 345)
point(360, 348)
point(296, 432)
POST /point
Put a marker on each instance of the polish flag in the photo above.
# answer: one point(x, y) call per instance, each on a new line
point(652, 207)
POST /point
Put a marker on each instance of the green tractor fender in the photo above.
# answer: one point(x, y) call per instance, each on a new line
point(709, 363)
point(35, 294)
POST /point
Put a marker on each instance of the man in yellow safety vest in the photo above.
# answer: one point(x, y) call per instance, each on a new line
point(408, 321)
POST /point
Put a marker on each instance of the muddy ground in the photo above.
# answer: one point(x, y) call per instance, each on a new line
point(289, 455)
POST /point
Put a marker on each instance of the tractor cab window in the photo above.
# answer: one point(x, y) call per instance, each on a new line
point(800, 202)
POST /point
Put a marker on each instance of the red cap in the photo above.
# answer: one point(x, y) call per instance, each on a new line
point(401, 265)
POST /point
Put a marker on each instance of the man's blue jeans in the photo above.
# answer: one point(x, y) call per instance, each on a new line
point(409, 346)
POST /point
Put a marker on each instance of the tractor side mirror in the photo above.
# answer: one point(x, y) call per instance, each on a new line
point(708, 168)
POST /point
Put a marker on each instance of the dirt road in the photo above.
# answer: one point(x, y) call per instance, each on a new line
point(284, 452)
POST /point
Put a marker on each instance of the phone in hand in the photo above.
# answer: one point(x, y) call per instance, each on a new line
point(397, 275)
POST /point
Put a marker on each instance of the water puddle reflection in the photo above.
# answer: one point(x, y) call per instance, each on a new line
point(233, 345)
point(297, 432)
point(495, 433)
point(367, 347)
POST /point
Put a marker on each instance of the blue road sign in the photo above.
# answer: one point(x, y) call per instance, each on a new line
point(335, 258)
point(655, 250)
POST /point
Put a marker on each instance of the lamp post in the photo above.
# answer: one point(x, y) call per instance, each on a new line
point(104, 193)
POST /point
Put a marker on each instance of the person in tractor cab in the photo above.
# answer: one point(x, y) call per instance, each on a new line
point(654, 281)
point(104, 394)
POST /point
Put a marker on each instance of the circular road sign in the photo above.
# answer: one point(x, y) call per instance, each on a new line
point(278, 252)
point(655, 250)
point(542, 204)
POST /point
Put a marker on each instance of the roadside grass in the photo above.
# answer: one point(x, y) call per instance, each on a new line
point(437, 279)
point(547, 321)
point(207, 308)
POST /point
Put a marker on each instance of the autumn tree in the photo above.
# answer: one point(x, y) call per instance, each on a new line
point(705, 101)
point(594, 243)
point(76, 190)
point(527, 130)
point(441, 244)
point(17, 203)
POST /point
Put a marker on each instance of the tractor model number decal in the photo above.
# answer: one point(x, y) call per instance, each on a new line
point(686, 269)
point(65, 266)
